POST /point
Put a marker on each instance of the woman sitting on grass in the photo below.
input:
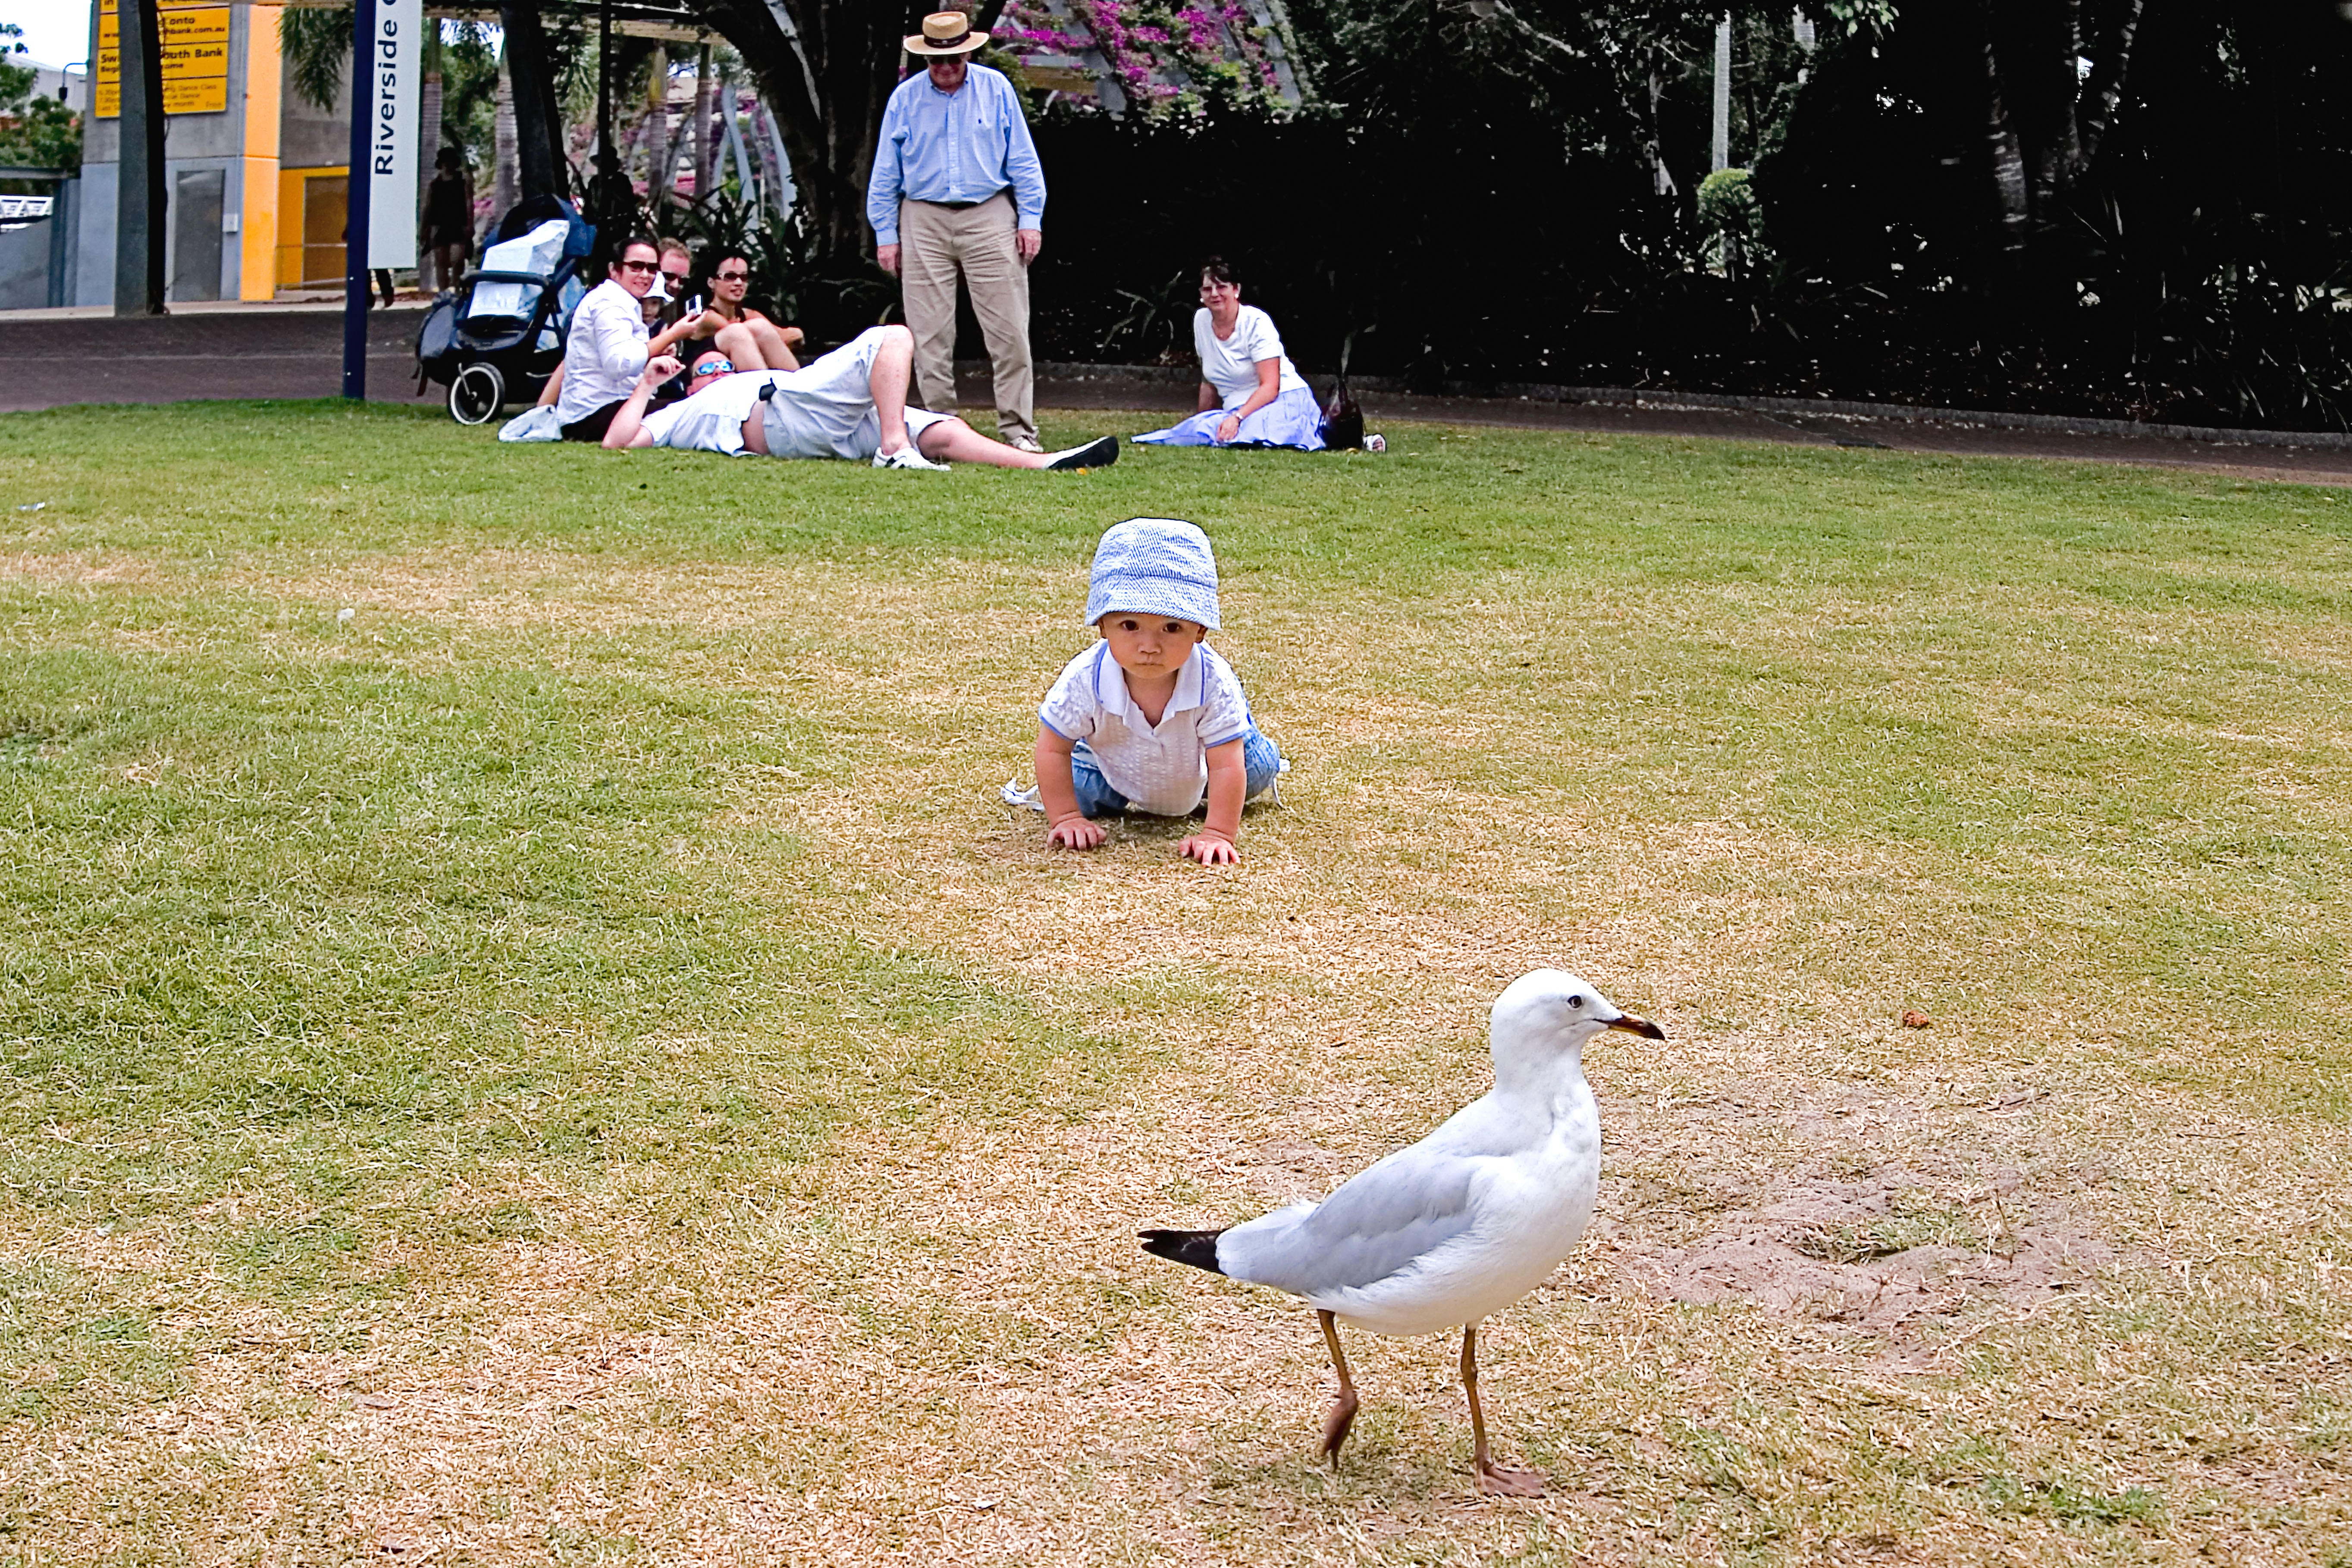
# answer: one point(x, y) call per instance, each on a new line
point(1251, 394)
point(731, 280)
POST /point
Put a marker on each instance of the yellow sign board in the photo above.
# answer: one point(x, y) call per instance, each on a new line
point(195, 57)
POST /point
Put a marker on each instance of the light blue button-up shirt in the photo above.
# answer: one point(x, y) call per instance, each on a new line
point(959, 146)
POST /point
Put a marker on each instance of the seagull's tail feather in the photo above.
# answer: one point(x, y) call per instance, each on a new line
point(1197, 1248)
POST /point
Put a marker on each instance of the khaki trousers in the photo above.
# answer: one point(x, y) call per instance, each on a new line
point(939, 245)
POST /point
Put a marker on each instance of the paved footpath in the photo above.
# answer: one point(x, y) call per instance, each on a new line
point(49, 359)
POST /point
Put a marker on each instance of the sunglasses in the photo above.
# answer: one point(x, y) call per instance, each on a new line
point(734, 277)
point(678, 277)
point(641, 267)
point(715, 367)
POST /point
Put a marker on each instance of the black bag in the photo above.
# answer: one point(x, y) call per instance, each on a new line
point(1343, 422)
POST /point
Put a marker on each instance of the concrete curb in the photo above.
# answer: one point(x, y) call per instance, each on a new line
point(1541, 392)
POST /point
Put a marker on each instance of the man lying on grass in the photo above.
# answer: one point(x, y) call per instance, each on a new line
point(851, 403)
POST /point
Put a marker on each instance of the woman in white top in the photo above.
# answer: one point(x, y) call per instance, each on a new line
point(1251, 394)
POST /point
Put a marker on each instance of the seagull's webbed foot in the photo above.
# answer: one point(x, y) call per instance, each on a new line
point(1494, 1479)
point(1342, 1415)
point(1509, 1480)
point(1343, 1409)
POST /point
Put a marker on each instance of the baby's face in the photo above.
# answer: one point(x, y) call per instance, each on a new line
point(1150, 645)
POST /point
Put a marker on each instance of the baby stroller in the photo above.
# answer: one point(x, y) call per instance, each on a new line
point(497, 337)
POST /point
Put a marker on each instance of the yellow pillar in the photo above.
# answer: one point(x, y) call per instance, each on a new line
point(258, 273)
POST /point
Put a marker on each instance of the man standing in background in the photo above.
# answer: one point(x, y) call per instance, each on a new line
point(957, 193)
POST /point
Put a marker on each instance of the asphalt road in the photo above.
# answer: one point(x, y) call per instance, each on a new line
point(52, 360)
point(48, 360)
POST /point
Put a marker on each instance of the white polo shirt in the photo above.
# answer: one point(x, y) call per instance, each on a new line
point(604, 353)
point(1162, 769)
point(711, 420)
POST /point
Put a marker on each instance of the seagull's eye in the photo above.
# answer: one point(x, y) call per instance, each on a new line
point(1576, 1001)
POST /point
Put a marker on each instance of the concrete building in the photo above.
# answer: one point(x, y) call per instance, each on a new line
point(259, 177)
point(37, 220)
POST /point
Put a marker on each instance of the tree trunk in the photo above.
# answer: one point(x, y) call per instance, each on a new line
point(2037, 46)
point(2008, 162)
point(428, 133)
point(140, 199)
point(1662, 179)
point(826, 75)
point(504, 182)
point(2106, 88)
point(539, 121)
point(702, 124)
point(661, 156)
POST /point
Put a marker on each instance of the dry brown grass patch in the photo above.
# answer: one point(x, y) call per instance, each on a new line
point(1856, 1293)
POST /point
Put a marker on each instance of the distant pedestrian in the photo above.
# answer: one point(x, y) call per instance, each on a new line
point(381, 277)
point(444, 229)
point(958, 193)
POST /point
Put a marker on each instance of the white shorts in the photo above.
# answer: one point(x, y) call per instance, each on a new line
point(825, 408)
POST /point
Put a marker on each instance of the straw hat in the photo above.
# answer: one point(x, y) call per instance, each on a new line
point(945, 33)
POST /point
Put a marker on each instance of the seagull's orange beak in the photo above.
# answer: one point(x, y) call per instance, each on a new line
point(1642, 1027)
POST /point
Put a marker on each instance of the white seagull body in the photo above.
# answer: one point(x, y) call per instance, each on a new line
point(1462, 1224)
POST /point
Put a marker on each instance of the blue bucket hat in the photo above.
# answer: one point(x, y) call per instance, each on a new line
point(1154, 566)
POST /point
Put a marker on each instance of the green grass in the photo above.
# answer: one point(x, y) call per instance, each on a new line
point(619, 889)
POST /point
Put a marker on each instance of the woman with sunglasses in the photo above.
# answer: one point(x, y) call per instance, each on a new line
point(609, 344)
point(730, 279)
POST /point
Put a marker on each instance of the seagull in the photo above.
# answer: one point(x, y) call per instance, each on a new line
point(1459, 1226)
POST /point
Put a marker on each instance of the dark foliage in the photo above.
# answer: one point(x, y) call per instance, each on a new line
point(469, 63)
point(317, 49)
point(830, 301)
point(2121, 208)
point(2177, 258)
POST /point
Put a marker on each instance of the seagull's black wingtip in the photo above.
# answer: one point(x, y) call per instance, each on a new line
point(1197, 1248)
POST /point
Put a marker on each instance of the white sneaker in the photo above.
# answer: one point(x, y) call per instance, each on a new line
point(1025, 444)
point(907, 456)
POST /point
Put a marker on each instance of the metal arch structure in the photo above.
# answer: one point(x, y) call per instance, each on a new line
point(824, 71)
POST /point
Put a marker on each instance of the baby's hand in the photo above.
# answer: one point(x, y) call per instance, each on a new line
point(1210, 850)
point(1078, 833)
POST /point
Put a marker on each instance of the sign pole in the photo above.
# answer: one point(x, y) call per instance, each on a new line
point(358, 186)
point(140, 188)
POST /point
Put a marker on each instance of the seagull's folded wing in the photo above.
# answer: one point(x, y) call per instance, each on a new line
point(1411, 1204)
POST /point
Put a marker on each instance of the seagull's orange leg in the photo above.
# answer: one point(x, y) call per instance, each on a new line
point(1494, 1479)
point(1343, 1410)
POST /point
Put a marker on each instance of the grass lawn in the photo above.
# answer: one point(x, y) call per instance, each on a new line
point(571, 1061)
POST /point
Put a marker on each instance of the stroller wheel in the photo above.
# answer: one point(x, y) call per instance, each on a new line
point(478, 393)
